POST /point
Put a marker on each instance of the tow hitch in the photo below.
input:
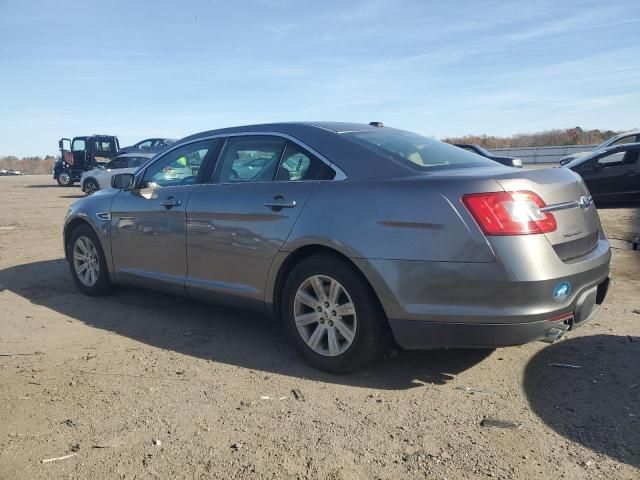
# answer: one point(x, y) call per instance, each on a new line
point(555, 333)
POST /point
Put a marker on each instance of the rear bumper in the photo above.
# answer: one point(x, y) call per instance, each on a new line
point(450, 304)
point(416, 334)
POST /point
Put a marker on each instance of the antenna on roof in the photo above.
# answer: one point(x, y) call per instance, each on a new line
point(376, 124)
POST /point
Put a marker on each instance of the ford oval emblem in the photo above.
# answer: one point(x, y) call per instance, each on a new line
point(561, 291)
point(585, 201)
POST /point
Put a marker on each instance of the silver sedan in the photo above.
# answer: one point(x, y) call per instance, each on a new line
point(354, 236)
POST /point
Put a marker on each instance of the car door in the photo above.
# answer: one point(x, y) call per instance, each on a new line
point(237, 224)
point(148, 223)
point(632, 161)
point(607, 175)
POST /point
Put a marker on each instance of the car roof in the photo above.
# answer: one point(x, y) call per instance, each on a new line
point(624, 134)
point(287, 128)
point(622, 147)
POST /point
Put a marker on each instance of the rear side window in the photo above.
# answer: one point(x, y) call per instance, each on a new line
point(416, 151)
point(298, 164)
point(104, 146)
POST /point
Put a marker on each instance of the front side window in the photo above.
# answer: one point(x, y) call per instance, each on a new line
point(416, 151)
point(250, 159)
point(298, 164)
point(178, 167)
point(612, 159)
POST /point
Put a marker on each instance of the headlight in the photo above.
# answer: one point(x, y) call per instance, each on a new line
point(516, 162)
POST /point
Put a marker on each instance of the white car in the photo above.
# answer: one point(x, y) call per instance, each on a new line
point(100, 177)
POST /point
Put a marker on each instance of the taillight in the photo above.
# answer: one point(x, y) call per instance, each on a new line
point(509, 213)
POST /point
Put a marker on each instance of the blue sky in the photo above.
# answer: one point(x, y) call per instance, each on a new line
point(140, 69)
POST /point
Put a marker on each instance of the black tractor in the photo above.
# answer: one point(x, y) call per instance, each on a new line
point(82, 154)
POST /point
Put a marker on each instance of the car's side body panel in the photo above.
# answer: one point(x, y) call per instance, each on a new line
point(404, 219)
point(232, 236)
point(148, 240)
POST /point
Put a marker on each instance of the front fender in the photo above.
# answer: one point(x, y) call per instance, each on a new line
point(94, 211)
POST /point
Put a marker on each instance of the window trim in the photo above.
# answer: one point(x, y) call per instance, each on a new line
point(340, 175)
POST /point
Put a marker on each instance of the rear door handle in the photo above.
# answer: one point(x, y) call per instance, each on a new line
point(170, 203)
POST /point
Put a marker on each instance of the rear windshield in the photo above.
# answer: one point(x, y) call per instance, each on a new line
point(416, 151)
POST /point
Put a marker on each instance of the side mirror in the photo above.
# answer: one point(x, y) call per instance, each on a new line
point(123, 181)
point(598, 166)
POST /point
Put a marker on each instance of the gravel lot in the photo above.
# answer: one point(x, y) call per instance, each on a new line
point(141, 385)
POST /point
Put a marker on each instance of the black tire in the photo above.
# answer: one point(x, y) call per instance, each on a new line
point(371, 333)
point(64, 180)
point(90, 187)
point(102, 285)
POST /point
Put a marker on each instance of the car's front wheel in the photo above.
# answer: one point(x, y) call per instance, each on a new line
point(87, 262)
point(91, 187)
point(64, 180)
point(332, 315)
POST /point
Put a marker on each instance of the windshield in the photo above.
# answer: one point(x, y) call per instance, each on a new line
point(416, 151)
point(484, 151)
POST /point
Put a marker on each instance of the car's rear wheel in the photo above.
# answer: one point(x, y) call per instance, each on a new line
point(87, 262)
point(64, 180)
point(332, 316)
point(91, 187)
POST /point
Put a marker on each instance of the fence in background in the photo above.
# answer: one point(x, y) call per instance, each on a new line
point(542, 154)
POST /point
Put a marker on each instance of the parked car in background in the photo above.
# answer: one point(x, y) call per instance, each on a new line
point(82, 154)
point(149, 145)
point(384, 233)
point(612, 174)
point(100, 177)
point(508, 161)
point(623, 138)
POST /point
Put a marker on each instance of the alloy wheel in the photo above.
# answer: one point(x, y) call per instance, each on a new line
point(90, 188)
point(85, 261)
point(325, 315)
point(64, 179)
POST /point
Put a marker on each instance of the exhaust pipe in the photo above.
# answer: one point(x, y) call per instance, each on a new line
point(555, 333)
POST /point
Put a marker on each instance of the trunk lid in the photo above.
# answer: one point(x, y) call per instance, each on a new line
point(568, 199)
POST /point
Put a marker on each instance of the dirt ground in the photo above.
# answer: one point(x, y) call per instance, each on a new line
point(142, 385)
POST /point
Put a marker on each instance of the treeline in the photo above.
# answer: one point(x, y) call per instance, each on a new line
point(556, 137)
point(30, 165)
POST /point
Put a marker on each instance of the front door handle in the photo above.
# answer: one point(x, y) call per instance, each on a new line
point(280, 204)
point(170, 203)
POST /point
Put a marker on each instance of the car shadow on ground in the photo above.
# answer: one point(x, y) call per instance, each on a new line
point(596, 405)
point(217, 333)
point(48, 185)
